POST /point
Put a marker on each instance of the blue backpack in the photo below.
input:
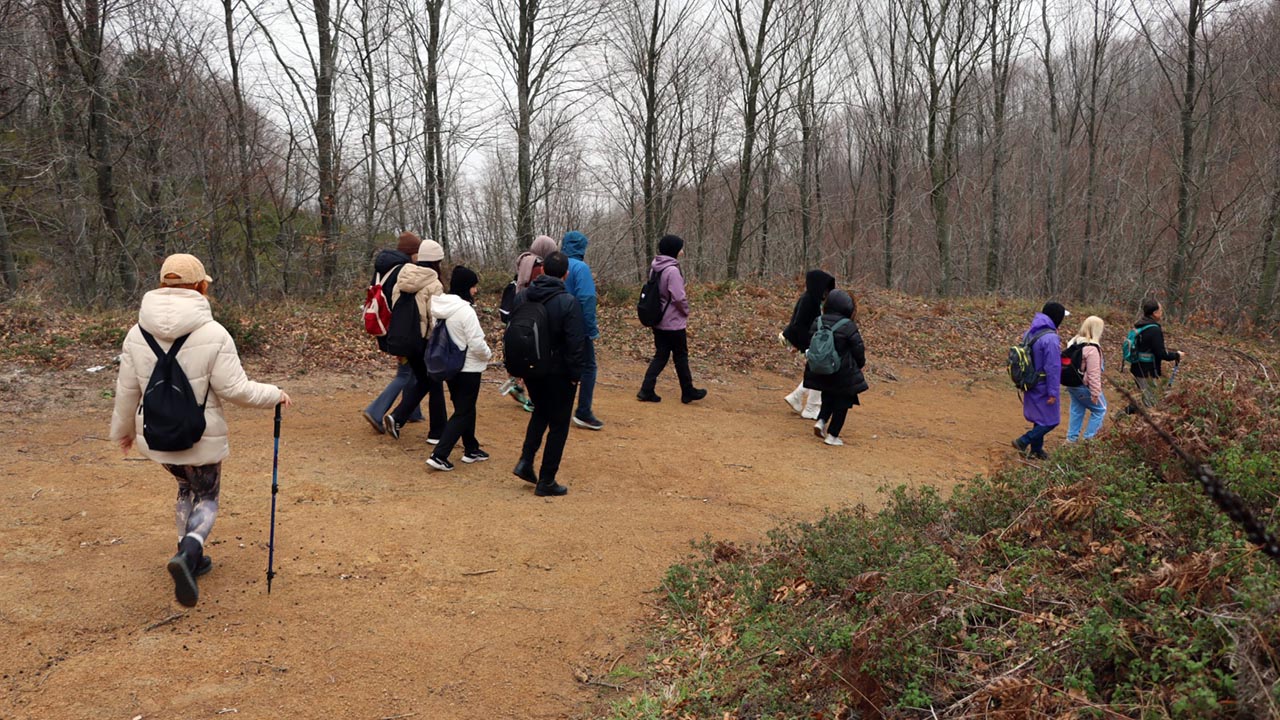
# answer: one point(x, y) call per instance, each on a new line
point(443, 357)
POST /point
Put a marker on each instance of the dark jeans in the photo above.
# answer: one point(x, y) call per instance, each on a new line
point(423, 387)
point(552, 405)
point(1035, 437)
point(669, 344)
point(587, 385)
point(464, 390)
point(398, 384)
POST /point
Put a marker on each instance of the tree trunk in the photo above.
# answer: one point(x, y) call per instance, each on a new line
point(1270, 256)
point(524, 129)
point(750, 115)
point(244, 200)
point(324, 131)
point(1179, 270)
point(8, 267)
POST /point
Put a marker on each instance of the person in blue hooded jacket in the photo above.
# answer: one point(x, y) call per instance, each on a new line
point(582, 286)
point(1041, 404)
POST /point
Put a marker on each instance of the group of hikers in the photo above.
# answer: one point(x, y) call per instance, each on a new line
point(1041, 367)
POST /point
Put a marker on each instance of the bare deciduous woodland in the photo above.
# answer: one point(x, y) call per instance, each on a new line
point(1100, 150)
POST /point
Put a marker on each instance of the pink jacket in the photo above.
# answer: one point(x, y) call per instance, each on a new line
point(1093, 372)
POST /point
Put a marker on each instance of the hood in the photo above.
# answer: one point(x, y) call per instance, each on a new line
point(388, 259)
point(542, 246)
point(817, 282)
point(416, 278)
point(170, 313)
point(1147, 320)
point(574, 244)
point(544, 287)
point(661, 262)
point(1042, 322)
point(444, 307)
point(840, 303)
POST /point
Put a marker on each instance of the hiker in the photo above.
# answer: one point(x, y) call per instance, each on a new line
point(528, 268)
point(1040, 404)
point(1082, 363)
point(456, 311)
point(1149, 352)
point(840, 387)
point(797, 333)
point(176, 319)
point(385, 266)
point(419, 282)
point(582, 286)
point(670, 335)
point(554, 385)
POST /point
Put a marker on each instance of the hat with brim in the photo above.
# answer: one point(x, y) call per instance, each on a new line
point(183, 269)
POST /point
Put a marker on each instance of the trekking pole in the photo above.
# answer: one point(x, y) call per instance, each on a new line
point(1173, 375)
point(275, 488)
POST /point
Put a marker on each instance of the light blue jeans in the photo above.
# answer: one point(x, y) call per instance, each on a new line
point(1080, 402)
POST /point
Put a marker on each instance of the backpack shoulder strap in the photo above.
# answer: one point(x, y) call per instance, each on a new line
point(1032, 340)
point(151, 341)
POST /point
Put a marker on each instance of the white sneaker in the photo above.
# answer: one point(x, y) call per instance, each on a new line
point(833, 441)
point(794, 401)
point(820, 429)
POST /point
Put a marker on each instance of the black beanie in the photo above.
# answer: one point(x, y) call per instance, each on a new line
point(1056, 312)
point(461, 282)
point(670, 245)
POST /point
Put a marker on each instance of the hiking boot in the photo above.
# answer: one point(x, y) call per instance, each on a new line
point(833, 441)
point(524, 471)
point(648, 396)
point(441, 464)
point(1020, 446)
point(550, 488)
point(181, 569)
point(204, 566)
point(390, 426)
point(1039, 455)
point(820, 429)
point(377, 426)
point(587, 420)
point(693, 395)
point(475, 456)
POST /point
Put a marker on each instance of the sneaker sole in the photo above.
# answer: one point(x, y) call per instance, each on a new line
point(377, 426)
point(587, 425)
point(389, 428)
point(185, 589)
point(434, 465)
point(433, 441)
point(468, 459)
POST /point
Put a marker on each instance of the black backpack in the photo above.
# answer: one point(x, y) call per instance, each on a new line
point(1073, 364)
point(1022, 365)
point(508, 302)
point(526, 343)
point(404, 332)
point(650, 308)
point(171, 419)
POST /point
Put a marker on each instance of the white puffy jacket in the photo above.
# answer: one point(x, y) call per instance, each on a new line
point(209, 360)
point(464, 329)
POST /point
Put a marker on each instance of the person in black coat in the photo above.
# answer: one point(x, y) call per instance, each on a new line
point(808, 307)
point(386, 265)
point(1151, 351)
point(840, 389)
point(553, 394)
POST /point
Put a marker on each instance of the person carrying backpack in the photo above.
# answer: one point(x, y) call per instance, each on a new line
point(1082, 368)
point(160, 412)
point(582, 286)
point(797, 333)
point(551, 369)
point(1041, 402)
point(386, 266)
point(835, 358)
point(456, 310)
point(528, 268)
point(670, 334)
point(1149, 352)
point(411, 297)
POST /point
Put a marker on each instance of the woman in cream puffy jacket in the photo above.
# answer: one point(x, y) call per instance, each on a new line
point(208, 358)
point(456, 311)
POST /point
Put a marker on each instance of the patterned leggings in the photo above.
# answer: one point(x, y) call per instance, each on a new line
point(197, 505)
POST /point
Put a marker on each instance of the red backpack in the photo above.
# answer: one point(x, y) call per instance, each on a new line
point(377, 312)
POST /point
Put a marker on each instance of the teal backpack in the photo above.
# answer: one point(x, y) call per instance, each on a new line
point(822, 356)
point(1131, 354)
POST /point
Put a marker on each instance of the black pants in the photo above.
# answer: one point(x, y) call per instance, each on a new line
point(552, 405)
point(669, 344)
point(423, 387)
point(464, 390)
point(835, 408)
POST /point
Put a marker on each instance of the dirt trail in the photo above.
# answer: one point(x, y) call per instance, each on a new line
point(373, 613)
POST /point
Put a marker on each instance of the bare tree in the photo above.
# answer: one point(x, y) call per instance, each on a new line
point(1006, 28)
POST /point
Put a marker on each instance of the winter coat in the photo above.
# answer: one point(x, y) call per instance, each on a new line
point(464, 328)
point(580, 283)
point(423, 281)
point(816, 286)
point(1092, 364)
point(1047, 356)
point(385, 264)
point(209, 360)
point(1151, 341)
point(564, 315)
point(675, 303)
point(848, 381)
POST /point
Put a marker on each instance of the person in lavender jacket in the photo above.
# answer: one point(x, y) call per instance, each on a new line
point(1040, 404)
point(670, 337)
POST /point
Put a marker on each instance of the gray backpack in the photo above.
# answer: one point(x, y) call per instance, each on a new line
point(822, 356)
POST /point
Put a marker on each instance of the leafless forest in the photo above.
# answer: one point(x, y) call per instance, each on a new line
point(1095, 150)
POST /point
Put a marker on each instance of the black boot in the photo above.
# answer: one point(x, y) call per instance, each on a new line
point(692, 394)
point(524, 471)
point(182, 568)
point(205, 565)
point(548, 487)
point(648, 396)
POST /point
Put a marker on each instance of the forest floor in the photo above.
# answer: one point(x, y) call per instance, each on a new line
point(402, 592)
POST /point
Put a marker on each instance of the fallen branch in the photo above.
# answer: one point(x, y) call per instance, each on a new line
point(480, 572)
point(161, 623)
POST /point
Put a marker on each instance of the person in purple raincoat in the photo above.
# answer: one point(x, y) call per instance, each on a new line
point(1040, 404)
